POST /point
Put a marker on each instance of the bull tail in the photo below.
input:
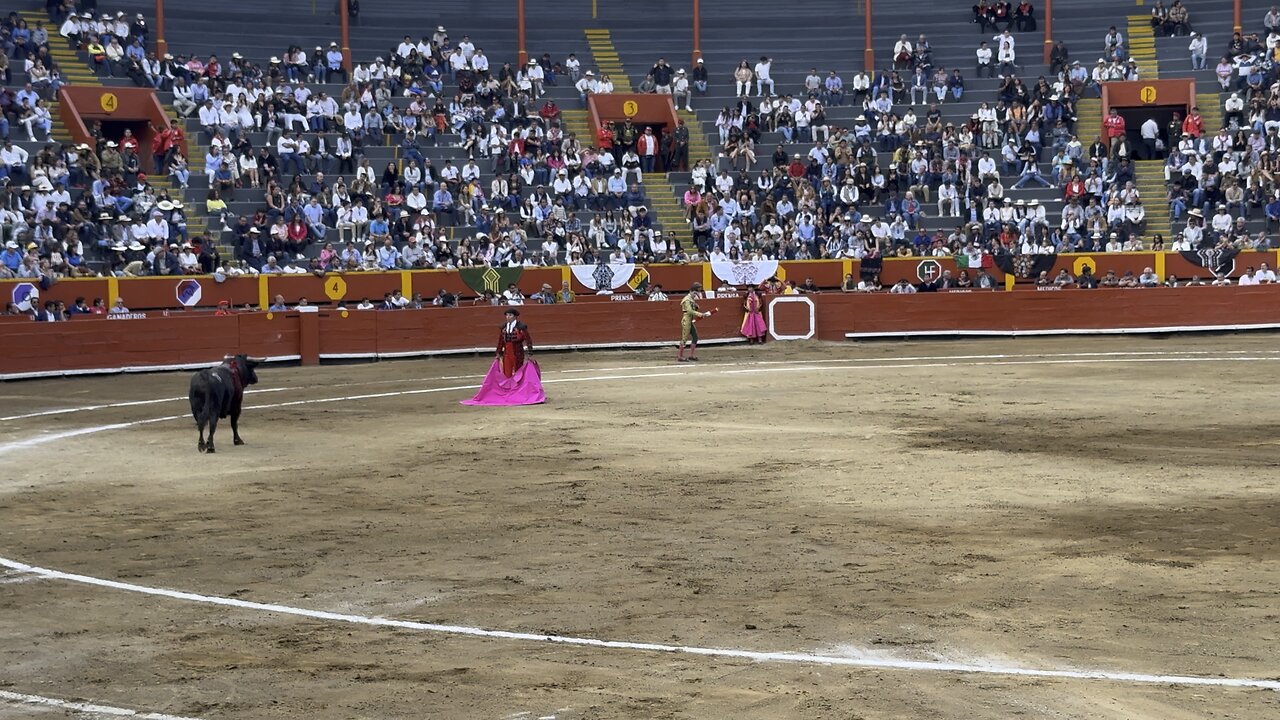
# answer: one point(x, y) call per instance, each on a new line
point(197, 403)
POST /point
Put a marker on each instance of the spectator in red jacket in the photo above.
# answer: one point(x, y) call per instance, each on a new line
point(796, 169)
point(1113, 126)
point(1193, 125)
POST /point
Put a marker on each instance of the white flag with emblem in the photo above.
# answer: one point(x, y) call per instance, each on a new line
point(604, 276)
point(747, 272)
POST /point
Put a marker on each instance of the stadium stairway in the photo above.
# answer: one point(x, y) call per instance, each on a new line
point(71, 64)
point(667, 196)
point(72, 69)
point(1210, 105)
point(197, 221)
point(1149, 179)
point(575, 121)
point(1088, 120)
point(1142, 47)
point(666, 207)
point(605, 57)
point(699, 148)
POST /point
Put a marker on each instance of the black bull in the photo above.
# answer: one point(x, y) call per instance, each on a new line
point(218, 392)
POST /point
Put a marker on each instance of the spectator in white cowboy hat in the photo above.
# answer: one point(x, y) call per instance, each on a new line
point(536, 77)
point(680, 90)
point(586, 86)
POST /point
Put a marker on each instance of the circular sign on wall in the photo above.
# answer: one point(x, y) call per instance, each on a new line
point(630, 108)
point(1147, 94)
point(109, 102)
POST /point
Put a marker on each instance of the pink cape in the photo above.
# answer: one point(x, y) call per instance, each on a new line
point(753, 325)
point(523, 388)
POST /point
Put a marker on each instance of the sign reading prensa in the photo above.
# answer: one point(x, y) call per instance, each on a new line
point(109, 102)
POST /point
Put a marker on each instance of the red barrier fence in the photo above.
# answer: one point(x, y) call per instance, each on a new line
point(96, 344)
point(175, 292)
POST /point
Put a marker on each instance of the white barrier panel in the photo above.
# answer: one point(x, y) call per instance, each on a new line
point(813, 325)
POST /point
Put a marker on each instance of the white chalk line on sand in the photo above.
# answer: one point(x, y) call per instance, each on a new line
point(684, 371)
point(90, 708)
point(877, 663)
point(577, 371)
point(129, 403)
point(759, 656)
point(1082, 361)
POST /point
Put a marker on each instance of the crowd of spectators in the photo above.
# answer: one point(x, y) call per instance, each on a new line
point(556, 198)
point(825, 192)
point(402, 100)
point(1219, 179)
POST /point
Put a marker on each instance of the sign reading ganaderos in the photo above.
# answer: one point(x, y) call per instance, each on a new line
point(493, 279)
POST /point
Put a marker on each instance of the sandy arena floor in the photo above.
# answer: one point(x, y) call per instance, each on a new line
point(1034, 507)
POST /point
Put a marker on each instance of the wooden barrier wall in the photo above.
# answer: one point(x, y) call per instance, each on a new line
point(156, 293)
point(105, 345)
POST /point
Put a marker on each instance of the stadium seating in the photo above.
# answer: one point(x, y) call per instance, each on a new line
point(822, 35)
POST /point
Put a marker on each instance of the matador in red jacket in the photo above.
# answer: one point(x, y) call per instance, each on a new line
point(514, 342)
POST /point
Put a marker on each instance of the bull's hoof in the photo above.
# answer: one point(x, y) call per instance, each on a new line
point(237, 441)
point(209, 449)
point(200, 446)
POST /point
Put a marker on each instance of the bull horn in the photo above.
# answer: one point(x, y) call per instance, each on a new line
point(256, 359)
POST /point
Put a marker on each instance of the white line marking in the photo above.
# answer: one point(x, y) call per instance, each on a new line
point(36, 441)
point(784, 657)
point(131, 403)
point(64, 434)
point(1096, 361)
point(576, 371)
point(86, 707)
point(756, 655)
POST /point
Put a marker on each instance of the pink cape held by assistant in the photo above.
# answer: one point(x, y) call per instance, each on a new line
point(514, 378)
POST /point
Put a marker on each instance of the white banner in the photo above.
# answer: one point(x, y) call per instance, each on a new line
point(603, 276)
point(747, 272)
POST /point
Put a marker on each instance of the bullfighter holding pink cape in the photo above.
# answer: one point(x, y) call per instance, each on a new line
point(514, 378)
